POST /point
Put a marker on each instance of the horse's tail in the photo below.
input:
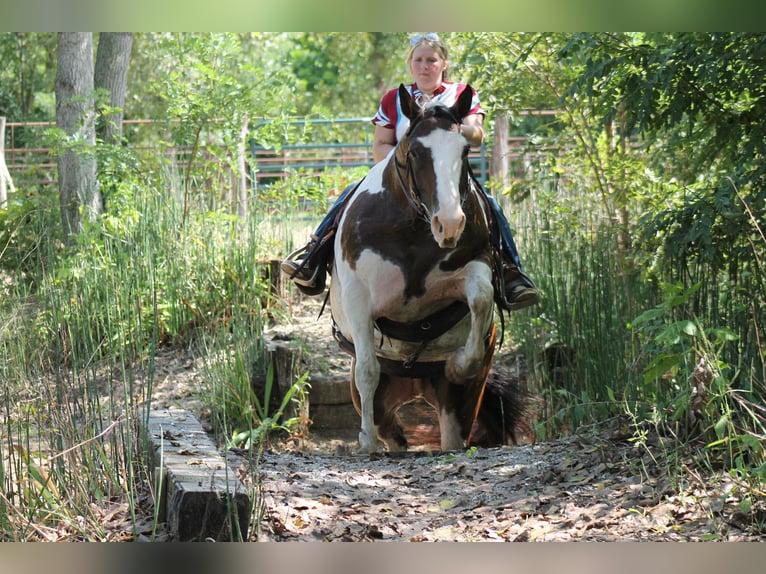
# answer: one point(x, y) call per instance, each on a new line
point(502, 417)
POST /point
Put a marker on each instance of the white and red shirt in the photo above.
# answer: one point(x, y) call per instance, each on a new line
point(389, 112)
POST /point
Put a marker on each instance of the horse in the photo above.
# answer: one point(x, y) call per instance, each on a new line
point(411, 290)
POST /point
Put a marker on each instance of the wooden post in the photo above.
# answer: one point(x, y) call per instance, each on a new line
point(500, 150)
point(287, 368)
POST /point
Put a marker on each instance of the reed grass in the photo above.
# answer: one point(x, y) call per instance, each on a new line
point(78, 337)
point(630, 336)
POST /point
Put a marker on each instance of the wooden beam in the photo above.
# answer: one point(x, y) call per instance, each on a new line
point(200, 495)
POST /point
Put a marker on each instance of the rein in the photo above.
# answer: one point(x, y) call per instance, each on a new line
point(412, 193)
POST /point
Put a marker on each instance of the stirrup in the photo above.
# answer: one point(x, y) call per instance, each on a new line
point(292, 266)
point(294, 254)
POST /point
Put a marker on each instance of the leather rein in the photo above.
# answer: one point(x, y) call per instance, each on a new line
point(412, 192)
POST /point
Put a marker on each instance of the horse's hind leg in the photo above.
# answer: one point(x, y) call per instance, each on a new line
point(451, 429)
point(391, 432)
point(392, 393)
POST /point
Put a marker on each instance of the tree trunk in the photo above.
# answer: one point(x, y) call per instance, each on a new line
point(111, 74)
point(5, 176)
point(75, 116)
point(242, 169)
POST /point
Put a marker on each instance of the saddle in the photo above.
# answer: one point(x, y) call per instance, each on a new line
point(423, 331)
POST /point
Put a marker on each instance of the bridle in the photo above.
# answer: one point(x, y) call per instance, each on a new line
point(412, 192)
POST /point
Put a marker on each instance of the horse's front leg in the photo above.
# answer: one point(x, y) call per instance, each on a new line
point(468, 360)
point(366, 366)
point(366, 379)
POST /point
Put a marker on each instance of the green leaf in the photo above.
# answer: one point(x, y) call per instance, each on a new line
point(661, 365)
point(648, 316)
point(688, 327)
point(720, 426)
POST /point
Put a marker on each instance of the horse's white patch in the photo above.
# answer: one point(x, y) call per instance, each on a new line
point(373, 181)
point(448, 220)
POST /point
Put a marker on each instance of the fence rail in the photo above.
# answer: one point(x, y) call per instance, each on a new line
point(32, 165)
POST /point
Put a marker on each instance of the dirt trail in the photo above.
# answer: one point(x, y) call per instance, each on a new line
point(574, 489)
point(579, 488)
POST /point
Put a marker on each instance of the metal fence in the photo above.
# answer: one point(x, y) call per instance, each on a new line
point(335, 143)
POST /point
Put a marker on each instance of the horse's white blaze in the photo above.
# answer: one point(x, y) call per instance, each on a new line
point(448, 220)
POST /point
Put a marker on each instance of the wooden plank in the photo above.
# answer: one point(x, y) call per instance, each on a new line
point(200, 497)
point(330, 389)
point(334, 417)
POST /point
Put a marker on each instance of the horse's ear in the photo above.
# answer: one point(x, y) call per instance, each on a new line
point(406, 102)
point(464, 101)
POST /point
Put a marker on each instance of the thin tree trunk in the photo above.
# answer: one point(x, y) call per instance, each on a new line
point(5, 176)
point(242, 169)
point(75, 116)
point(111, 75)
point(624, 212)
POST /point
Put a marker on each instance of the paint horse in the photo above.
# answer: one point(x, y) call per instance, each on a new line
point(412, 296)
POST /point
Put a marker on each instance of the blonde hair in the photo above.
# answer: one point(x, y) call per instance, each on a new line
point(432, 40)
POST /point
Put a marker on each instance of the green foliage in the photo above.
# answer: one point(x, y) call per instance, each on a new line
point(26, 78)
point(344, 74)
point(694, 97)
point(306, 190)
point(256, 424)
point(512, 71)
point(697, 394)
point(30, 224)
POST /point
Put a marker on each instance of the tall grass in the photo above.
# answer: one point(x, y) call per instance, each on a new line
point(633, 333)
point(579, 349)
point(80, 326)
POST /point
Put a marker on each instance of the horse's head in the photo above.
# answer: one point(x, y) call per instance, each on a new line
point(435, 155)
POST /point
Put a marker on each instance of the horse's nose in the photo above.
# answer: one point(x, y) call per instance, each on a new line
point(447, 228)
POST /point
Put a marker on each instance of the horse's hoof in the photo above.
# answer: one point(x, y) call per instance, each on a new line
point(394, 446)
point(368, 445)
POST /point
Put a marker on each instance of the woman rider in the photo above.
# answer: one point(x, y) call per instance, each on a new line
point(428, 62)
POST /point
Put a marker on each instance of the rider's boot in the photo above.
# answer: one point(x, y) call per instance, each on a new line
point(520, 290)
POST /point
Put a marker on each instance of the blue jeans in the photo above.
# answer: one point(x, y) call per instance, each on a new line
point(508, 246)
point(329, 219)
